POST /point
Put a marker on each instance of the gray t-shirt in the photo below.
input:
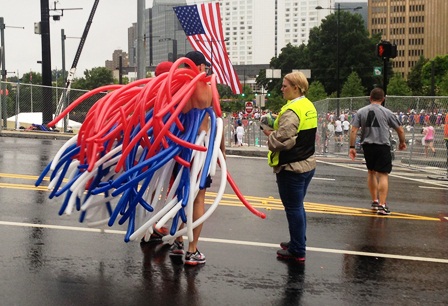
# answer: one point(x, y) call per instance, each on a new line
point(375, 122)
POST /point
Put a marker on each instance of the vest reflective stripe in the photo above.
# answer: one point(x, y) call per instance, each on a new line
point(306, 133)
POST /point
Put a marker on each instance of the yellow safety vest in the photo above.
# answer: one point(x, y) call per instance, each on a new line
point(306, 133)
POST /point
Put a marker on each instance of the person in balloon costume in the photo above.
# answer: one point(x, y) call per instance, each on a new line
point(144, 156)
point(201, 99)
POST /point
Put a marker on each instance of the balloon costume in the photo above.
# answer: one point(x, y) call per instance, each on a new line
point(138, 160)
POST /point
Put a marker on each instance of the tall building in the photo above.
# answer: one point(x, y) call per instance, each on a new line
point(169, 41)
point(164, 38)
point(115, 62)
point(255, 30)
point(258, 30)
point(132, 45)
point(296, 18)
point(417, 27)
point(249, 27)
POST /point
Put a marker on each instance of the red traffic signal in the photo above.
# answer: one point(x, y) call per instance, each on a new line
point(386, 50)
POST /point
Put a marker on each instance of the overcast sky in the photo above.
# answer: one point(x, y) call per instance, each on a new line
point(108, 32)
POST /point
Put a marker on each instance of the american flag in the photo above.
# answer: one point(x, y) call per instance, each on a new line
point(202, 25)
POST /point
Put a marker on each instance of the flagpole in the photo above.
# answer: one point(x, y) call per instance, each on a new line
point(211, 50)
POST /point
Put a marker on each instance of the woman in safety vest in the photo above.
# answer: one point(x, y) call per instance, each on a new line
point(291, 154)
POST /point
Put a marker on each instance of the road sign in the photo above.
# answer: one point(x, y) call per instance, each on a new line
point(306, 72)
point(377, 71)
point(249, 107)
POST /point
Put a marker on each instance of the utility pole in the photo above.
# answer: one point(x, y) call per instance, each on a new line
point(3, 114)
point(47, 107)
point(3, 108)
point(141, 67)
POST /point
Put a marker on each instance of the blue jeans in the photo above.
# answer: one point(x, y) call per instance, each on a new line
point(292, 188)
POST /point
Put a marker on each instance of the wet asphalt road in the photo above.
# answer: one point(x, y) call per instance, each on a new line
point(353, 256)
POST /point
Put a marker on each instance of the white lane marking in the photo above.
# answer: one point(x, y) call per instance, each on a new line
point(391, 174)
point(323, 178)
point(61, 227)
point(249, 157)
point(429, 187)
point(236, 242)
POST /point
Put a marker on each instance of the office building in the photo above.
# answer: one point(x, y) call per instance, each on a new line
point(417, 27)
point(115, 62)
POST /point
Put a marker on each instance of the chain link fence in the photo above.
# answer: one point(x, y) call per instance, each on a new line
point(24, 106)
point(413, 112)
point(18, 99)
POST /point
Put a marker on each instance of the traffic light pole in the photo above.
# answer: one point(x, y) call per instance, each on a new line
point(385, 80)
point(386, 50)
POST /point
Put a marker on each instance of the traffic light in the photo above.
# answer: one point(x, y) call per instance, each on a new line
point(386, 50)
point(243, 94)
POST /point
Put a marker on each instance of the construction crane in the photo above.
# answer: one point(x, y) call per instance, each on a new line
point(71, 74)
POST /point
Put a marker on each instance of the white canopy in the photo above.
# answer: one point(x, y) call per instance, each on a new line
point(36, 118)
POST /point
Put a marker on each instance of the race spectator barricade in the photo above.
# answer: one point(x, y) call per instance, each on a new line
point(414, 112)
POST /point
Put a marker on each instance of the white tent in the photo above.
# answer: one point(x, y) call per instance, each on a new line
point(36, 118)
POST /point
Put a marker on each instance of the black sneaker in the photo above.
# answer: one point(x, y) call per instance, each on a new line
point(177, 249)
point(195, 258)
point(383, 210)
point(375, 205)
point(284, 245)
point(285, 254)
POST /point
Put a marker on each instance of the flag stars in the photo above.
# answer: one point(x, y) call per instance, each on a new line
point(190, 20)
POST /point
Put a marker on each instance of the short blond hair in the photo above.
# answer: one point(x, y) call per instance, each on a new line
point(298, 79)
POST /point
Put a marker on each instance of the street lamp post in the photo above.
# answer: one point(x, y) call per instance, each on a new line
point(338, 9)
point(3, 72)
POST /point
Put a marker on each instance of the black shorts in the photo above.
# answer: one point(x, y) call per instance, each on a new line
point(208, 181)
point(378, 157)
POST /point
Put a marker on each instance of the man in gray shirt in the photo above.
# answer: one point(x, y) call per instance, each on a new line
point(374, 120)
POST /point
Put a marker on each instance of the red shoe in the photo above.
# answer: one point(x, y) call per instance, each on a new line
point(157, 234)
point(286, 255)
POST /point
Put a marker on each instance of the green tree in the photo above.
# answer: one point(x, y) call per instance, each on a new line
point(316, 92)
point(356, 50)
point(444, 85)
point(94, 78)
point(353, 86)
point(291, 57)
point(225, 91)
point(58, 78)
point(398, 87)
point(415, 77)
point(275, 102)
point(32, 78)
point(435, 68)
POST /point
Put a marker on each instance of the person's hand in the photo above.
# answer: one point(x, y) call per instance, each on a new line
point(267, 132)
point(352, 153)
point(402, 146)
